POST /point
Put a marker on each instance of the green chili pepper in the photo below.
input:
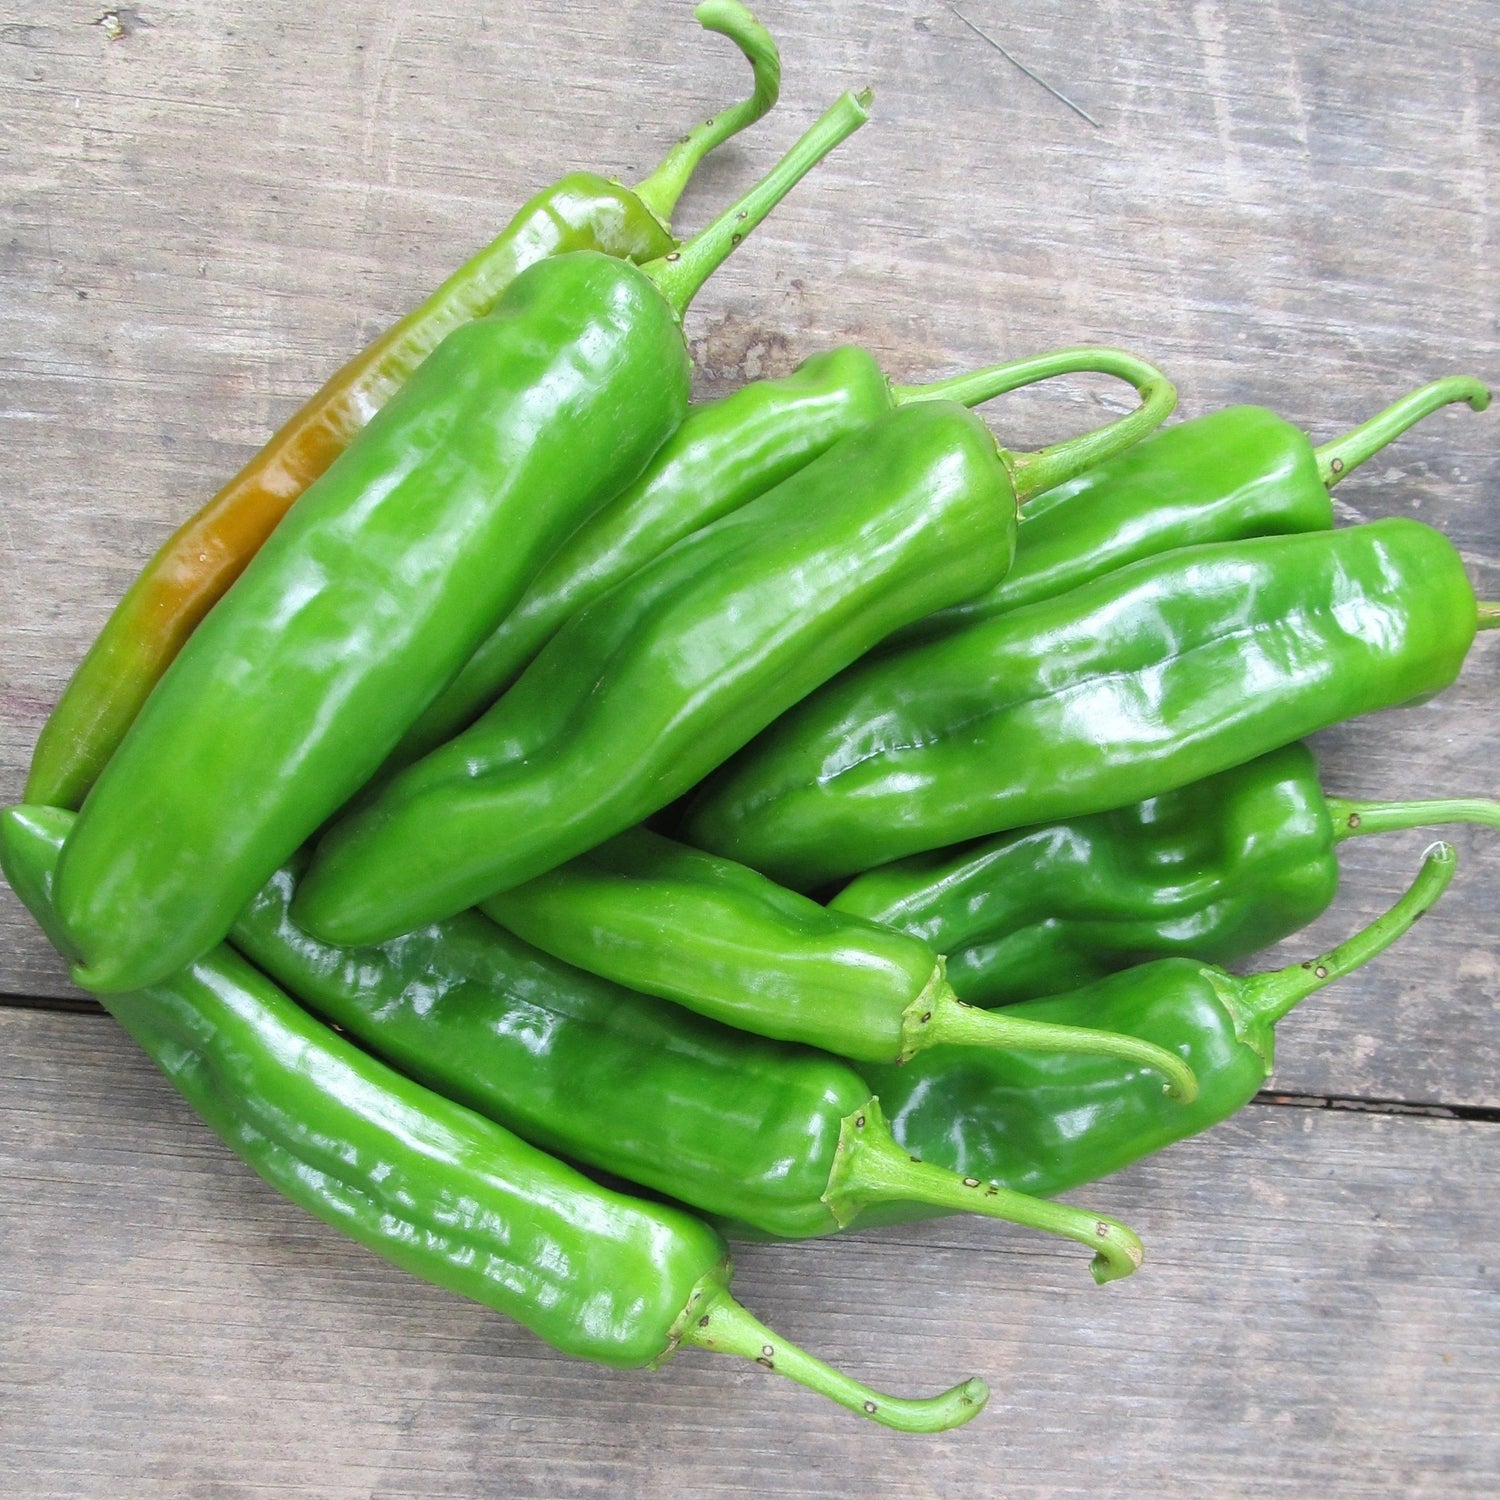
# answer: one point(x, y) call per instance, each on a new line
point(1233, 474)
point(1214, 870)
point(1047, 1124)
point(724, 455)
point(726, 942)
point(199, 561)
point(734, 1125)
point(379, 584)
point(641, 694)
point(432, 1186)
point(1169, 670)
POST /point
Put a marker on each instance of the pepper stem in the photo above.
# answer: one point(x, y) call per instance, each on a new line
point(661, 190)
point(1488, 615)
point(720, 1324)
point(938, 1018)
point(1268, 997)
point(681, 273)
point(1347, 453)
point(1157, 396)
point(1032, 473)
point(871, 1167)
point(1350, 819)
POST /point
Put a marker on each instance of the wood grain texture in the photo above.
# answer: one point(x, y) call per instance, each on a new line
point(1317, 1315)
point(1287, 201)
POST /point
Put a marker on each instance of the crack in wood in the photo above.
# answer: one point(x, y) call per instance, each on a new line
point(1431, 1109)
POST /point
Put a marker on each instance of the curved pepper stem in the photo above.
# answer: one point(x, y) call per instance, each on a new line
point(661, 190)
point(871, 1167)
point(1347, 453)
point(1351, 819)
point(938, 1018)
point(721, 1325)
point(970, 389)
point(680, 274)
point(1032, 473)
point(1488, 615)
point(1266, 998)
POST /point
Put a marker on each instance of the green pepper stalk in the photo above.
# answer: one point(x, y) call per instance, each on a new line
point(379, 584)
point(202, 558)
point(726, 942)
point(660, 191)
point(644, 692)
point(1167, 671)
point(1214, 870)
point(1048, 1124)
point(1233, 474)
point(731, 1124)
point(434, 1187)
point(724, 455)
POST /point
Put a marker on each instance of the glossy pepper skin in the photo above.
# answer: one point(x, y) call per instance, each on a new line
point(378, 585)
point(726, 942)
point(733, 1125)
point(1233, 474)
point(660, 680)
point(1047, 1124)
point(643, 693)
point(722, 456)
point(1172, 669)
point(1214, 871)
point(196, 565)
point(432, 1186)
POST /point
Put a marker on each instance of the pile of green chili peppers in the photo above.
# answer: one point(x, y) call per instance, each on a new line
point(799, 805)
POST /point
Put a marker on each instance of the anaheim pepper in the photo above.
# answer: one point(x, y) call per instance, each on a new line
point(1047, 1124)
point(196, 565)
point(1213, 871)
point(1172, 669)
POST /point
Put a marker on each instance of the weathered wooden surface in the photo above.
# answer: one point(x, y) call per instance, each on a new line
point(1318, 1316)
point(1290, 203)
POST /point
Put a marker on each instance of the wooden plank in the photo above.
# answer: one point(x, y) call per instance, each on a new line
point(1285, 202)
point(1318, 1314)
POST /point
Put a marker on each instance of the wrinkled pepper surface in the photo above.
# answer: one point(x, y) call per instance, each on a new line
point(1214, 870)
point(1047, 1124)
point(734, 1125)
point(641, 694)
point(380, 582)
point(1233, 474)
point(722, 456)
point(1169, 670)
point(724, 941)
point(434, 1187)
point(200, 560)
